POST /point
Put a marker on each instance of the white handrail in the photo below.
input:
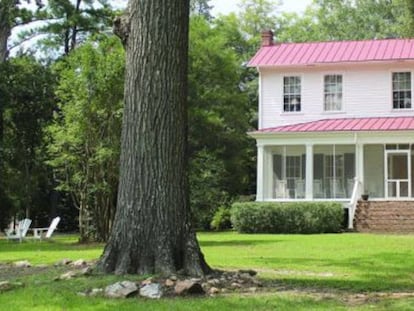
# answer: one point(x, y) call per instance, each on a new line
point(354, 202)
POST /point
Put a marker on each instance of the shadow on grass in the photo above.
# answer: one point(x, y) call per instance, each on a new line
point(54, 245)
point(384, 272)
point(236, 243)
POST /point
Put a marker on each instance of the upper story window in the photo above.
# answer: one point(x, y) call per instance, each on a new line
point(401, 90)
point(291, 94)
point(333, 92)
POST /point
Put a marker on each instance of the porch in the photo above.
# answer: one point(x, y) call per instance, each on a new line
point(337, 172)
point(337, 160)
point(328, 172)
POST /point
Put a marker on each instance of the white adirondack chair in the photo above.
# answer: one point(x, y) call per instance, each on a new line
point(38, 233)
point(21, 230)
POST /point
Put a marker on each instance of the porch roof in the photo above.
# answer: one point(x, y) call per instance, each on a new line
point(380, 124)
point(313, 53)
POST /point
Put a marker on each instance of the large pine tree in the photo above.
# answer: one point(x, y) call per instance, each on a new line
point(152, 229)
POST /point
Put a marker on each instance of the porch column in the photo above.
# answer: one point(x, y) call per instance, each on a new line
point(359, 164)
point(267, 181)
point(309, 172)
point(260, 173)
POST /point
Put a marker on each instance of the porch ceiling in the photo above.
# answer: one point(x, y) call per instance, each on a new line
point(380, 124)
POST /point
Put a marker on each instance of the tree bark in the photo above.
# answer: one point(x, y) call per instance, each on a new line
point(6, 7)
point(5, 27)
point(152, 230)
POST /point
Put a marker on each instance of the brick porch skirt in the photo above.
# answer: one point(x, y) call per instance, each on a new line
point(385, 216)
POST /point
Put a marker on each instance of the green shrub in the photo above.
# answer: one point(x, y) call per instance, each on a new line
point(221, 219)
point(297, 217)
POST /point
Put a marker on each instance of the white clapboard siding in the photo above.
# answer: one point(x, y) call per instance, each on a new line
point(366, 93)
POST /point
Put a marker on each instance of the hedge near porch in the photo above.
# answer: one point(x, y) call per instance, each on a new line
point(297, 217)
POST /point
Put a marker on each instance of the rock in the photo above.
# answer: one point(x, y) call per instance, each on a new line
point(63, 262)
point(252, 289)
point(147, 281)
point(169, 283)
point(42, 266)
point(213, 291)
point(91, 292)
point(214, 282)
point(22, 264)
point(245, 276)
point(68, 275)
point(235, 285)
point(122, 289)
point(188, 287)
point(79, 263)
point(86, 271)
point(257, 283)
point(173, 278)
point(224, 290)
point(7, 285)
point(152, 291)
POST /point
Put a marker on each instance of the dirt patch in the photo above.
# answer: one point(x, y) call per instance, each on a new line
point(11, 272)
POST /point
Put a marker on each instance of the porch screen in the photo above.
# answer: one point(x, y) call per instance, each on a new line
point(289, 167)
point(374, 171)
point(333, 171)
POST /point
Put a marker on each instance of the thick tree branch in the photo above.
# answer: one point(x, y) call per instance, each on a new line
point(121, 27)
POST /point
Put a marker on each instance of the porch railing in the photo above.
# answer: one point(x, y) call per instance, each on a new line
point(356, 192)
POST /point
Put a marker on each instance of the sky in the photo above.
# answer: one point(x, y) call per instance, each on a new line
point(227, 6)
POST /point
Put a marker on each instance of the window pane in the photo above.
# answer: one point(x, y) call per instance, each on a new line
point(292, 94)
point(333, 92)
point(401, 84)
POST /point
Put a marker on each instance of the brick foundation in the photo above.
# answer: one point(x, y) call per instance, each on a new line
point(384, 216)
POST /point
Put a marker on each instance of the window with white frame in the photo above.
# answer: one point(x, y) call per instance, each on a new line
point(293, 167)
point(333, 92)
point(291, 94)
point(401, 90)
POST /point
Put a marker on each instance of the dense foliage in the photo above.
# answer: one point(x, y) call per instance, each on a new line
point(298, 217)
point(85, 134)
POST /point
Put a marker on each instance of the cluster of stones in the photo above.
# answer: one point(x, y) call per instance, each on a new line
point(154, 288)
point(81, 268)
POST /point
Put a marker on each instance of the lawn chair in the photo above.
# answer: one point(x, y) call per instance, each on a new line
point(38, 233)
point(20, 232)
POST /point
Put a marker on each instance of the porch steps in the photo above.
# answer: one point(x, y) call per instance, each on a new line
point(385, 216)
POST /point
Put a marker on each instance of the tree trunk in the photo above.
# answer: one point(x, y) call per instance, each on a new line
point(5, 27)
point(6, 7)
point(152, 229)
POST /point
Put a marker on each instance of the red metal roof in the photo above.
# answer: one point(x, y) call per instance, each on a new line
point(346, 125)
point(300, 54)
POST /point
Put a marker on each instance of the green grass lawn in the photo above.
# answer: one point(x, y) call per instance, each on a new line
point(303, 272)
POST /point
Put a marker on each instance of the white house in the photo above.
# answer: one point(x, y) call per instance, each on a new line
point(336, 120)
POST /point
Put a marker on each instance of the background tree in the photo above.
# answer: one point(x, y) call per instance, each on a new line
point(28, 101)
point(11, 15)
point(218, 120)
point(201, 8)
point(152, 229)
point(68, 23)
point(85, 134)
